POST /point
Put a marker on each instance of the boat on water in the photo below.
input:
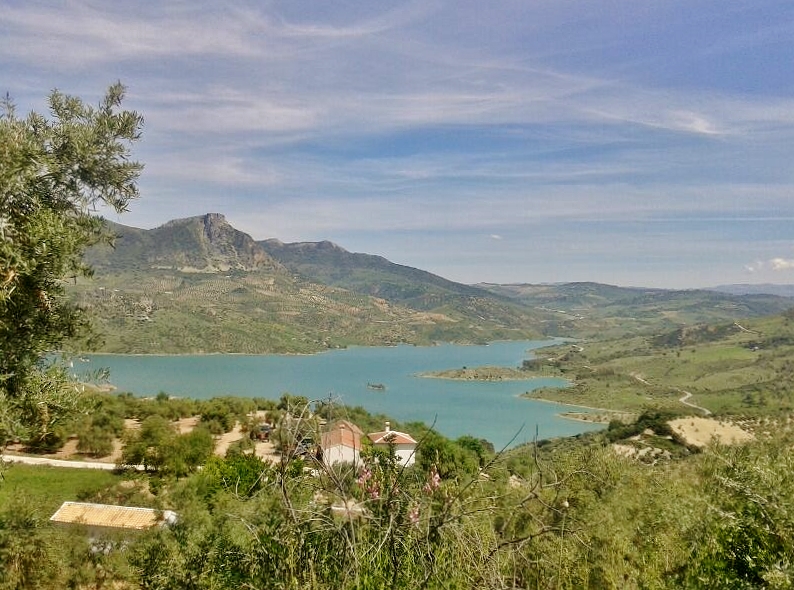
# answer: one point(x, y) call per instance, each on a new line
point(376, 386)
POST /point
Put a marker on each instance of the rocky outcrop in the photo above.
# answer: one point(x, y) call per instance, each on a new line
point(205, 243)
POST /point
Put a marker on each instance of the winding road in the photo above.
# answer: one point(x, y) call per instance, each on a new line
point(685, 398)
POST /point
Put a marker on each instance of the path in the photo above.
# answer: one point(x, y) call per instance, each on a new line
point(687, 395)
point(684, 399)
point(61, 462)
point(227, 438)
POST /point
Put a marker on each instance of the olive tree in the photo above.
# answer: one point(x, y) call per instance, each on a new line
point(55, 172)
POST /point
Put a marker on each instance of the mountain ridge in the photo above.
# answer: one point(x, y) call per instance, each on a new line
point(203, 243)
point(199, 285)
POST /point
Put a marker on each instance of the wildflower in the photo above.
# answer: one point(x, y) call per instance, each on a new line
point(413, 515)
point(433, 481)
point(364, 477)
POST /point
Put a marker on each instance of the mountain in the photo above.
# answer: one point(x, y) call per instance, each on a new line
point(325, 262)
point(200, 285)
point(366, 274)
point(207, 244)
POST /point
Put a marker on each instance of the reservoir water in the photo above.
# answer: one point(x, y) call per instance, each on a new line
point(491, 410)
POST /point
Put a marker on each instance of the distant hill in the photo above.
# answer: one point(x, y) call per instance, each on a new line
point(597, 310)
point(762, 289)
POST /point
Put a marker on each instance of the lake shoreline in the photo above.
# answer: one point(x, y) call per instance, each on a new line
point(550, 341)
point(487, 409)
point(579, 416)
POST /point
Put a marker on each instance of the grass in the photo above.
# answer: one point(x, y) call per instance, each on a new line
point(728, 370)
point(48, 487)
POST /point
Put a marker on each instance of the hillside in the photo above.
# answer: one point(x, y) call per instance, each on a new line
point(327, 263)
point(762, 289)
point(200, 285)
point(597, 310)
point(726, 368)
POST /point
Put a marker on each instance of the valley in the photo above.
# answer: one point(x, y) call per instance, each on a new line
point(198, 285)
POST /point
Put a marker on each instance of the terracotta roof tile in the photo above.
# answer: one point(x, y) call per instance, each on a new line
point(342, 433)
point(105, 515)
point(391, 436)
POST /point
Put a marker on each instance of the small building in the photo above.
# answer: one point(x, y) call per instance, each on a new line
point(341, 443)
point(101, 520)
point(404, 444)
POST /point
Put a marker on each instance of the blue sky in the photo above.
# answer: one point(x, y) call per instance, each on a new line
point(633, 143)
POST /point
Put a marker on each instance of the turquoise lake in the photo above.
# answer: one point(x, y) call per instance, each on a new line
point(491, 410)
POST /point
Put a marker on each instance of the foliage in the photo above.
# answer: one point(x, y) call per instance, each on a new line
point(746, 539)
point(97, 430)
point(565, 514)
point(650, 419)
point(379, 525)
point(159, 448)
point(446, 456)
point(53, 175)
point(23, 547)
point(243, 475)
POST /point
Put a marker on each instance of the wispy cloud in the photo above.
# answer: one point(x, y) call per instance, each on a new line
point(602, 130)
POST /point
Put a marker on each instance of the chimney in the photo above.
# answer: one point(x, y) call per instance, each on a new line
point(388, 426)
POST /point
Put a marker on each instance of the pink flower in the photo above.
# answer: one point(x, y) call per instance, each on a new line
point(433, 481)
point(413, 515)
point(364, 477)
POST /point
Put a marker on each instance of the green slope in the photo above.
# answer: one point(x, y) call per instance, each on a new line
point(737, 368)
point(199, 285)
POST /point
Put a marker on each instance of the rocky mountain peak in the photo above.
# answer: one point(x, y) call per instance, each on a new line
point(204, 243)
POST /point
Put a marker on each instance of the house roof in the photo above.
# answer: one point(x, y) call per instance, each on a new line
point(343, 433)
point(106, 515)
point(347, 425)
point(391, 437)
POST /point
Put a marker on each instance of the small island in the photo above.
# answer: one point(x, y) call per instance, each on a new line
point(480, 374)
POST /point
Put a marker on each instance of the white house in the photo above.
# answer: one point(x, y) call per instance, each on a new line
point(341, 443)
point(404, 444)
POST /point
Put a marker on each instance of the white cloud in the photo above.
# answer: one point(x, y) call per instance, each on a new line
point(777, 264)
point(781, 264)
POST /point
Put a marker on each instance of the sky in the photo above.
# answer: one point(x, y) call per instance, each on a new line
point(636, 143)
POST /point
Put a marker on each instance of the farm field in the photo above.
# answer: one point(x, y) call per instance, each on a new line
point(727, 368)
